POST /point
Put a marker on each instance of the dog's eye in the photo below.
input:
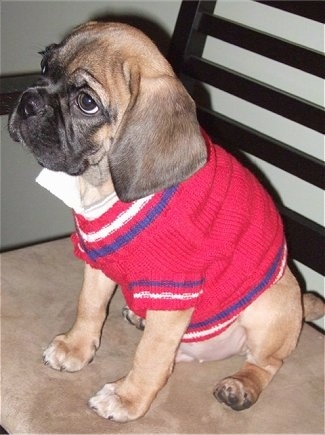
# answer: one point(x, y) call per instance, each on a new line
point(87, 104)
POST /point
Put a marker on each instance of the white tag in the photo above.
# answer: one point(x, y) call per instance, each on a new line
point(63, 186)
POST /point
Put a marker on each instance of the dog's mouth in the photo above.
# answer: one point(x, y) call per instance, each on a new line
point(78, 172)
point(74, 170)
point(48, 151)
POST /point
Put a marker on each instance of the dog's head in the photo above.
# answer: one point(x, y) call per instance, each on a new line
point(108, 106)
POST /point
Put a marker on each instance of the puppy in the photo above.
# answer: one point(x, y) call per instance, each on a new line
point(191, 237)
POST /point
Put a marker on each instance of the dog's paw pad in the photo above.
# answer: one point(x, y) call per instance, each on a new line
point(233, 393)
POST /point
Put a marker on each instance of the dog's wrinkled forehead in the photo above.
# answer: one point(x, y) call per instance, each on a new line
point(101, 48)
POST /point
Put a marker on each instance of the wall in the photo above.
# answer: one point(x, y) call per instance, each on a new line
point(29, 213)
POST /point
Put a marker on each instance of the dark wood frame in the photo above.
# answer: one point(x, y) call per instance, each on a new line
point(195, 22)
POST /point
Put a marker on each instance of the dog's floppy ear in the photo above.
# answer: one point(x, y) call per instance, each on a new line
point(158, 143)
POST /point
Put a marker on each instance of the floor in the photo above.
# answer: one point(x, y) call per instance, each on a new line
point(40, 287)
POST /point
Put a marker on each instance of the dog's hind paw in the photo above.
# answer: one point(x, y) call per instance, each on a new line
point(233, 393)
point(132, 318)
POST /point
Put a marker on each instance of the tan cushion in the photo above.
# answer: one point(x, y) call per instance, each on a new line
point(40, 286)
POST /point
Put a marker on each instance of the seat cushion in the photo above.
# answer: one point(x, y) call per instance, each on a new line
point(40, 287)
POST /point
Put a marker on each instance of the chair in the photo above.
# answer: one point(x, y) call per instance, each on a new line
point(195, 23)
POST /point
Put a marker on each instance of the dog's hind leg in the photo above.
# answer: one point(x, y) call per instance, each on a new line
point(272, 323)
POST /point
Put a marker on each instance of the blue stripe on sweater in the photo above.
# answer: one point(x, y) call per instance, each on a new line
point(140, 226)
point(244, 301)
point(173, 284)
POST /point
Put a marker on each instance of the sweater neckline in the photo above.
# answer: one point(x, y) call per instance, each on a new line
point(108, 203)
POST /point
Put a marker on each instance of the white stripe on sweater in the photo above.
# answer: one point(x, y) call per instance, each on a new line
point(97, 209)
point(282, 265)
point(205, 332)
point(167, 295)
point(119, 222)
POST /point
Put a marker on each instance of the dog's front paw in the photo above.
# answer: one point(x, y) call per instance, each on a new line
point(67, 353)
point(234, 393)
point(110, 405)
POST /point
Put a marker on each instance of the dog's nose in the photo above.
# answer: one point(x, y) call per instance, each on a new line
point(31, 103)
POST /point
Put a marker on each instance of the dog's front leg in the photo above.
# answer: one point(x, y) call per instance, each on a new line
point(73, 350)
point(130, 397)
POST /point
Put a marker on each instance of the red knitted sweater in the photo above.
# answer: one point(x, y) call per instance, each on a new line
point(214, 242)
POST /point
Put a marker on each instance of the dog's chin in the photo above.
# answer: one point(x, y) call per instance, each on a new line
point(70, 169)
point(78, 171)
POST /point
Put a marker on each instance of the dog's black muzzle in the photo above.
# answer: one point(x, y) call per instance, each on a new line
point(33, 102)
point(39, 123)
point(32, 107)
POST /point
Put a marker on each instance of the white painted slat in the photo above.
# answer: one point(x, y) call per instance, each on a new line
point(294, 28)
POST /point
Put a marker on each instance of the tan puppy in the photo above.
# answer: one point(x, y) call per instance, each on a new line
point(109, 110)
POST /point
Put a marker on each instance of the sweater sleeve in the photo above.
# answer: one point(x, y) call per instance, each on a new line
point(163, 294)
point(149, 279)
point(168, 269)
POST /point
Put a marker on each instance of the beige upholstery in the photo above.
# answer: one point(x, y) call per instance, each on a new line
point(40, 286)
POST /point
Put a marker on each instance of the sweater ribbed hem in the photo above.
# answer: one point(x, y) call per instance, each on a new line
point(214, 325)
